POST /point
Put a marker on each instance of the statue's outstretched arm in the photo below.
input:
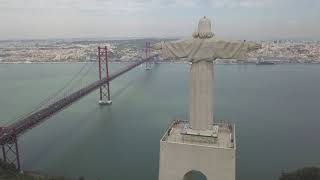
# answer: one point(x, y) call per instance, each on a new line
point(173, 49)
point(234, 49)
point(253, 46)
point(157, 46)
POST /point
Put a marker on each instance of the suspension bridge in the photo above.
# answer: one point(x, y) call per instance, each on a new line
point(9, 134)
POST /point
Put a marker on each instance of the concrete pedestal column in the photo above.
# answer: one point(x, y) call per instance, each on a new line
point(177, 159)
point(201, 95)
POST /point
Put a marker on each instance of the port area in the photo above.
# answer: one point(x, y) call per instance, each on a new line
point(220, 135)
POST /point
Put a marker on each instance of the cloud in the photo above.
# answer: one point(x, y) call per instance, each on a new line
point(292, 21)
point(90, 18)
point(127, 6)
point(241, 3)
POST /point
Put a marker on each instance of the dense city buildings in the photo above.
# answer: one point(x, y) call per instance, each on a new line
point(291, 51)
point(66, 51)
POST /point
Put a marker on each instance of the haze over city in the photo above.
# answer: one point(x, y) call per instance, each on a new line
point(233, 19)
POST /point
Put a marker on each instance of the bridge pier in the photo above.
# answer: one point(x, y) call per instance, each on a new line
point(104, 93)
point(10, 149)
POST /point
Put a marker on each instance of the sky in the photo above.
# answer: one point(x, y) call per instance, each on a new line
point(232, 19)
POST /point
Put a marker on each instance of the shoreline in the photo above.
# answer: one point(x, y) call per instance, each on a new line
point(113, 62)
point(161, 62)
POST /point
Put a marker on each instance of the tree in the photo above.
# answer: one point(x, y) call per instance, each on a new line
point(308, 173)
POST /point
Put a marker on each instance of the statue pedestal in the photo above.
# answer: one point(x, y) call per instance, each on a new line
point(213, 156)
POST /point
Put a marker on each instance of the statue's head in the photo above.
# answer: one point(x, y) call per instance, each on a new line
point(204, 29)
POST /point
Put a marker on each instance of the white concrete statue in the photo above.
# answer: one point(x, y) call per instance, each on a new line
point(201, 50)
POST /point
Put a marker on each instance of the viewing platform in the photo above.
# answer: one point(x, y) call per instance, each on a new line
point(211, 152)
point(221, 135)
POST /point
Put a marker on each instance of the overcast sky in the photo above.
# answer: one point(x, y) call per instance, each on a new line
point(234, 19)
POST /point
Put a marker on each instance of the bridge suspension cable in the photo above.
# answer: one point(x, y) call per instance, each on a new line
point(64, 91)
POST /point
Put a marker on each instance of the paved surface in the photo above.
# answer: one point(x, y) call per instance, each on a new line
point(221, 139)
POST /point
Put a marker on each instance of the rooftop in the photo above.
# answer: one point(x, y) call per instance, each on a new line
point(221, 135)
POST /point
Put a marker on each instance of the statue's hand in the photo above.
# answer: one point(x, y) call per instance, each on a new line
point(258, 46)
point(254, 46)
point(156, 46)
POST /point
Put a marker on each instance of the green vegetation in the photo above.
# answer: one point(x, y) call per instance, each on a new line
point(310, 173)
point(9, 172)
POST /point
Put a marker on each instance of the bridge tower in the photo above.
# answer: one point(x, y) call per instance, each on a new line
point(10, 148)
point(104, 93)
point(148, 54)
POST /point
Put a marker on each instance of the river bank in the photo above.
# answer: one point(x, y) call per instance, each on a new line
point(159, 62)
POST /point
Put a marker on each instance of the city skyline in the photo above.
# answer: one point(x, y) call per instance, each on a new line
point(233, 19)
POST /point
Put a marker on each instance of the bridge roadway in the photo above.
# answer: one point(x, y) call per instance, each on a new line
point(10, 133)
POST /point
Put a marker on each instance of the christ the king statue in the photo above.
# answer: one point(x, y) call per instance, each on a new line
point(201, 50)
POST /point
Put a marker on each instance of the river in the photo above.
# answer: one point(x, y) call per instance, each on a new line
point(276, 110)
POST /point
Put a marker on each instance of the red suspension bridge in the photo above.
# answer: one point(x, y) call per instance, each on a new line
point(9, 134)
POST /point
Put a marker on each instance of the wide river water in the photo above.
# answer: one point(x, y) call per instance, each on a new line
point(276, 110)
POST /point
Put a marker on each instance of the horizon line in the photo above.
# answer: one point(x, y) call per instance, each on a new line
point(144, 37)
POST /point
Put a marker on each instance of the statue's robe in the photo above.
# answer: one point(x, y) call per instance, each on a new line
point(195, 49)
point(201, 53)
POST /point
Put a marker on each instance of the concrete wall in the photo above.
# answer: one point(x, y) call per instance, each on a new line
point(177, 159)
